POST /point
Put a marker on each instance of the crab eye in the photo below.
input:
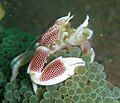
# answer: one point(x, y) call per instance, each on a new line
point(59, 22)
point(32, 74)
point(36, 45)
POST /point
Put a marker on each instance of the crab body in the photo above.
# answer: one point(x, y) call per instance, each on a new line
point(53, 39)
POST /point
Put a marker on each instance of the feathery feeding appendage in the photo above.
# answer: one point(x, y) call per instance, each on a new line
point(81, 33)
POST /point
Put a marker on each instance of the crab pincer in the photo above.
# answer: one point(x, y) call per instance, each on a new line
point(55, 72)
point(39, 59)
point(54, 33)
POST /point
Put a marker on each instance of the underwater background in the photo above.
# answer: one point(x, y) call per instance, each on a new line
point(29, 18)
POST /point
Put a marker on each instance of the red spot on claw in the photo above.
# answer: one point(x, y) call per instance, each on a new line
point(53, 70)
point(38, 60)
point(50, 36)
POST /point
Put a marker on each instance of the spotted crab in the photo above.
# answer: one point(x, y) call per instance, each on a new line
point(57, 37)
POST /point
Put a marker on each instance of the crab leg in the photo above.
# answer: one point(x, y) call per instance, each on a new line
point(19, 61)
point(35, 87)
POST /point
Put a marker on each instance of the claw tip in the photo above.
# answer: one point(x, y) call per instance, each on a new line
point(87, 17)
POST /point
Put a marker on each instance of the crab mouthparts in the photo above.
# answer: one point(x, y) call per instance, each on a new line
point(70, 18)
point(66, 18)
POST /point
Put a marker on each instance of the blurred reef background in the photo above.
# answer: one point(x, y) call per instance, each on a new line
point(32, 17)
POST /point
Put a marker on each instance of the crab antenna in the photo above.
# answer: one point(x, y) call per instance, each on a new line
point(32, 43)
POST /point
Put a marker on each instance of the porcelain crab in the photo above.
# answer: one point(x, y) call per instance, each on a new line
point(60, 35)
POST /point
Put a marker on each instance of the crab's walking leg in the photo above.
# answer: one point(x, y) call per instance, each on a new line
point(34, 87)
point(19, 61)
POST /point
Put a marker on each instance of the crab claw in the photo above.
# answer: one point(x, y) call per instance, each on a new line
point(57, 71)
point(38, 60)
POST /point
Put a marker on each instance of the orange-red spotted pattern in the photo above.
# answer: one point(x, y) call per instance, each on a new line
point(38, 60)
point(53, 70)
point(50, 36)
